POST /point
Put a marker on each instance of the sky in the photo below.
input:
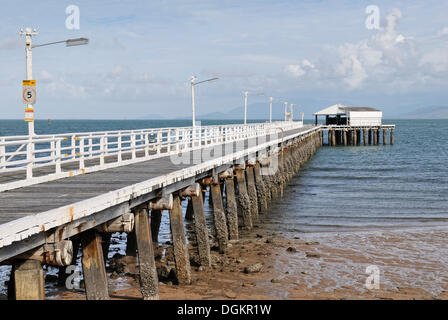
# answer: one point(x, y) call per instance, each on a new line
point(142, 53)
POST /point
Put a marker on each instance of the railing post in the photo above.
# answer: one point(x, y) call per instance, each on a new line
point(29, 158)
point(159, 142)
point(146, 135)
point(73, 146)
point(58, 156)
point(102, 150)
point(133, 145)
point(119, 158)
point(81, 153)
point(52, 148)
point(2, 154)
point(177, 140)
point(169, 138)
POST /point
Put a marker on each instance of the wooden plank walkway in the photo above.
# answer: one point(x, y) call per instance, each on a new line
point(51, 196)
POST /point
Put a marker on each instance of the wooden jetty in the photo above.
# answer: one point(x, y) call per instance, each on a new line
point(69, 192)
point(343, 135)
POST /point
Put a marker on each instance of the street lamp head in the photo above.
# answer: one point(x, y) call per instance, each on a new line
point(76, 42)
point(208, 80)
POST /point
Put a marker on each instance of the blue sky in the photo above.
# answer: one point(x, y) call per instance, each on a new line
point(141, 54)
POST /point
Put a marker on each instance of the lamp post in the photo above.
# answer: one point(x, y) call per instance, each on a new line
point(246, 93)
point(291, 113)
point(286, 106)
point(28, 33)
point(270, 109)
point(192, 80)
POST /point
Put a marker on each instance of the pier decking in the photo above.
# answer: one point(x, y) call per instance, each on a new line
point(60, 192)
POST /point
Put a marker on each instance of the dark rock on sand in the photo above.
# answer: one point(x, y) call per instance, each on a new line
point(312, 255)
point(253, 268)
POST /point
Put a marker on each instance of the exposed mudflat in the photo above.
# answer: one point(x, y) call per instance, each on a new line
point(412, 264)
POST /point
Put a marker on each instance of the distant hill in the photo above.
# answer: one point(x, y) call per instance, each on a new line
point(431, 112)
point(256, 111)
point(260, 111)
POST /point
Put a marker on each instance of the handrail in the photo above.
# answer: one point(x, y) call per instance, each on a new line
point(86, 149)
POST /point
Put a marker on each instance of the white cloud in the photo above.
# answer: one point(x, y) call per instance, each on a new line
point(385, 57)
point(299, 70)
point(435, 61)
point(62, 88)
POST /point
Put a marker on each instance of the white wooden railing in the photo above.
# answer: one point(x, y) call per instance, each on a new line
point(85, 152)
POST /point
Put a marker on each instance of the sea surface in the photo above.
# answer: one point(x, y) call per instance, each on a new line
point(339, 189)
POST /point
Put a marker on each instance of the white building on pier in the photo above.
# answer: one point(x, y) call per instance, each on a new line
point(339, 114)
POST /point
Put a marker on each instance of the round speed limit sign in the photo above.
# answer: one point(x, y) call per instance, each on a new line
point(29, 95)
point(29, 92)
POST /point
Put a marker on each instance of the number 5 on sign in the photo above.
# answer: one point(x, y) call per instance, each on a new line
point(29, 92)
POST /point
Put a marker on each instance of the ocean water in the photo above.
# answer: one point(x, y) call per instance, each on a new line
point(340, 188)
point(353, 188)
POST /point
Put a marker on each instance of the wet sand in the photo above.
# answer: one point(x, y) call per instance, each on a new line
point(412, 264)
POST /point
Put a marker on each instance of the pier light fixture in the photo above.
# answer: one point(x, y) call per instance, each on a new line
point(193, 83)
point(286, 111)
point(246, 93)
point(271, 100)
point(28, 33)
point(291, 113)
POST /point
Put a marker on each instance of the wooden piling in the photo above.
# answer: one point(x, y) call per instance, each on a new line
point(93, 266)
point(358, 137)
point(219, 216)
point(26, 281)
point(384, 137)
point(231, 209)
point(149, 283)
point(261, 190)
point(355, 137)
point(333, 137)
point(243, 199)
point(201, 230)
point(392, 137)
point(181, 256)
point(364, 133)
point(369, 131)
point(252, 192)
point(345, 137)
point(375, 137)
